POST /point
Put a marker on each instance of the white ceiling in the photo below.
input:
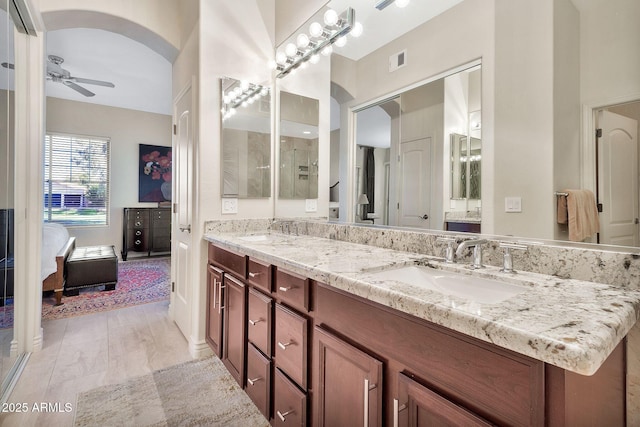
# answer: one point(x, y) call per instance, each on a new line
point(142, 77)
point(382, 26)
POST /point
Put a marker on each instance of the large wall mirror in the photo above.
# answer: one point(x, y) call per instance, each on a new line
point(513, 152)
point(299, 117)
point(404, 171)
point(246, 139)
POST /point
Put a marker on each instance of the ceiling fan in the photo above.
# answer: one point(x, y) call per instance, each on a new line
point(56, 73)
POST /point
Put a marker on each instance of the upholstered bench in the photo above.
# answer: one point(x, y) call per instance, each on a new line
point(91, 266)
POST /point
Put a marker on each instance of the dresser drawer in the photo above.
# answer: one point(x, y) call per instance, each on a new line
point(289, 402)
point(293, 289)
point(260, 321)
point(259, 380)
point(259, 274)
point(230, 261)
point(138, 218)
point(161, 215)
point(291, 344)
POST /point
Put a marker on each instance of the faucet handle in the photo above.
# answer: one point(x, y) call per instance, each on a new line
point(449, 254)
point(507, 265)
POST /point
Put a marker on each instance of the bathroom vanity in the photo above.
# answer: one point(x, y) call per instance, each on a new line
point(326, 332)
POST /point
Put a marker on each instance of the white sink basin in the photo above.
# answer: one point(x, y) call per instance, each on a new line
point(478, 289)
point(255, 238)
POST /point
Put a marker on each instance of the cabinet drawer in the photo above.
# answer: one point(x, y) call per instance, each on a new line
point(259, 380)
point(138, 218)
point(230, 261)
point(260, 321)
point(291, 344)
point(293, 289)
point(289, 402)
point(259, 274)
point(158, 215)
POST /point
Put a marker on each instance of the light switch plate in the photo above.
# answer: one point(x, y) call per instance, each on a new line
point(513, 204)
point(229, 206)
point(311, 205)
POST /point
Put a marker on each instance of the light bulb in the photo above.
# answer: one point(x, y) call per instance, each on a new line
point(315, 29)
point(341, 41)
point(281, 58)
point(226, 99)
point(272, 64)
point(244, 85)
point(357, 30)
point(264, 91)
point(303, 65)
point(291, 50)
point(315, 58)
point(302, 40)
point(327, 50)
point(237, 90)
point(331, 17)
point(402, 3)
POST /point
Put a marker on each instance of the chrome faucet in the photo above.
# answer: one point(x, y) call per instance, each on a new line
point(449, 253)
point(477, 251)
point(507, 263)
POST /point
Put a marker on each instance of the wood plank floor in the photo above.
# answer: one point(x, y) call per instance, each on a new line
point(81, 353)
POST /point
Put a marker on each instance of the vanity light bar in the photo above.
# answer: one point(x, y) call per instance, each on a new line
point(246, 95)
point(328, 35)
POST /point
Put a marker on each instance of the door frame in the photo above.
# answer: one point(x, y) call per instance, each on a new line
point(588, 137)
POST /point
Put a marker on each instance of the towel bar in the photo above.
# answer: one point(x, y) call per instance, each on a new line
point(559, 193)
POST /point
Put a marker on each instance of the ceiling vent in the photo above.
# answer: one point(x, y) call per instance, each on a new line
point(397, 60)
point(21, 17)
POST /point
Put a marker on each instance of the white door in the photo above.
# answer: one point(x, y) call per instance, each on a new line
point(183, 176)
point(415, 183)
point(618, 179)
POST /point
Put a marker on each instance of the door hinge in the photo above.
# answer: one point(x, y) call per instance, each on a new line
point(173, 286)
point(599, 206)
point(175, 129)
point(598, 133)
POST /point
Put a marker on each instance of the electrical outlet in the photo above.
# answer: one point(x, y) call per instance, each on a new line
point(311, 205)
point(229, 206)
point(513, 204)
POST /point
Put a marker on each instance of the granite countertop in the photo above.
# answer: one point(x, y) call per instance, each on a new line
point(571, 324)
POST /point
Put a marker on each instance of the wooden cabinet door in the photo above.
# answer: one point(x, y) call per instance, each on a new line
point(235, 330)
point(214, 309)
point(348, 382)
point(418, 406)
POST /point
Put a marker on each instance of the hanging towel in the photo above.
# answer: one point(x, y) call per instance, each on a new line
point(582, 214)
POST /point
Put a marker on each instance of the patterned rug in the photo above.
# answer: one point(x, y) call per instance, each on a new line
point(140, 281)
point(195, 393)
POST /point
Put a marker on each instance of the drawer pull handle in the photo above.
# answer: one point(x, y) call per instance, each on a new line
point(284, 289)
point(253, 322)
point(253, 381)
point(283, 416)
point(397, 408)
point(137, 242)
point(285, 345)
point(138, 232)
point(367, 389)
point(254, 274)
point(215, 285)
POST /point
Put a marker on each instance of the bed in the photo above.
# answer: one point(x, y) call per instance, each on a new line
point(56, 248)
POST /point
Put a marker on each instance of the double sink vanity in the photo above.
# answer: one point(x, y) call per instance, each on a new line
point(327, 331)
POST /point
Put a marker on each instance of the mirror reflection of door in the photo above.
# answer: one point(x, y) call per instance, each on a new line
point(618, 176)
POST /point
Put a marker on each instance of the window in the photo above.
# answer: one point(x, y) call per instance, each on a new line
point(76, 180)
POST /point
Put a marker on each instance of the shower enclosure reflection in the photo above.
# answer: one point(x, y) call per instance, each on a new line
point(299, 117)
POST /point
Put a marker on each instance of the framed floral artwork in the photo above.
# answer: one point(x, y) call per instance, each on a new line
point(154, 171)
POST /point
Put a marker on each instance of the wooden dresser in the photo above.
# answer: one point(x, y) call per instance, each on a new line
point(146, 230)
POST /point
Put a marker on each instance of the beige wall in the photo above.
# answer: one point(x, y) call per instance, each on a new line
point(291, 14)
point(126, 129)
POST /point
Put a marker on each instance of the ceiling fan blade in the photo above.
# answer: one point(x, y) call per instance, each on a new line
point(7, 65)
point(92, 82)
point(77, 88)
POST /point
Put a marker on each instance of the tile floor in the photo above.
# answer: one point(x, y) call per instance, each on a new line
point(81, 353)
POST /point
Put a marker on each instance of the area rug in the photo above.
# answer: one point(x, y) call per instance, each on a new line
point(195, 393)
point(140, 281)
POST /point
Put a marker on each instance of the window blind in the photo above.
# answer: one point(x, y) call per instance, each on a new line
point(76, 180)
